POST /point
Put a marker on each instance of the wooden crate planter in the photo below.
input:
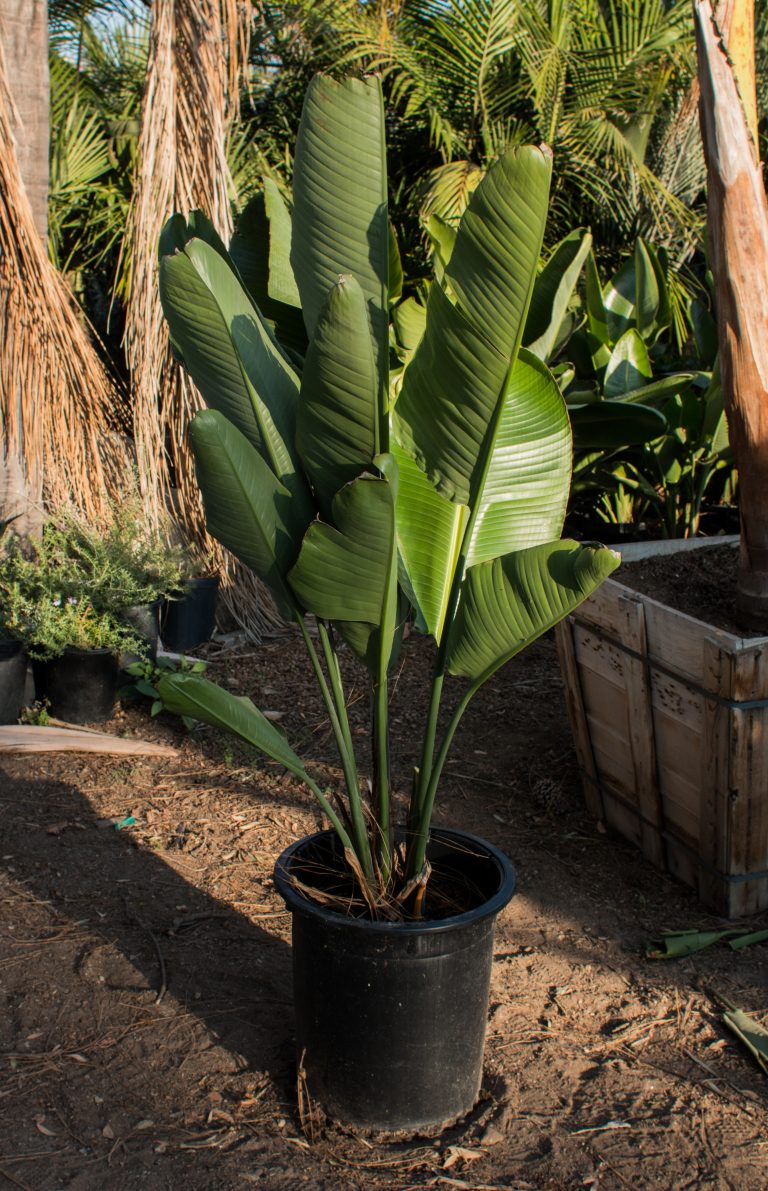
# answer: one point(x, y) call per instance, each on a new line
point(670, 720)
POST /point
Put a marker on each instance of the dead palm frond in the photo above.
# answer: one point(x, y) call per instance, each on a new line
point(58, 409)
point(196, 53)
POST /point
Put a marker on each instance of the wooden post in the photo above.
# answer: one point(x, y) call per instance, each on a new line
point(737, 215)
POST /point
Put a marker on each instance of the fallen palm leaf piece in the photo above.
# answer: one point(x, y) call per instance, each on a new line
point(30, 738)
point(676, 944)
point(752, 1034)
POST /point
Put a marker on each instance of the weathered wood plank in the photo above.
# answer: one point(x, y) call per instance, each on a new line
point(577, 715)
point(641, 736)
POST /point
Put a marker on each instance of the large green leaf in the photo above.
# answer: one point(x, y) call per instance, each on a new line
point(453, 392)
point(648, 291)
point(281, 285)
point(606, 425)
point(188, 694)
point(524, 493)
point(430, 530)
point(340, 222)
point(347, 572)
point(247, 509)
point(409, 319)
point(232, 356)
point(336, 423)
point(553, 291)
point(629, 367)
point(619, 300)
point(493, 265)
point(506, 604)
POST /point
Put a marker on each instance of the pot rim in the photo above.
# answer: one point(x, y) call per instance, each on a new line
point(10, 647)
point(299, 903)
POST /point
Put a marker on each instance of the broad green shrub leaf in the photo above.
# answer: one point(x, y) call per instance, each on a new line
point(606, 425)
point(232, 356)
point(506, 604)
point(430, 530)
point(189, 695)
point(247, 509)
point(336, 424)
point(524, 494)
point(347, 572)
point(251, 250)
point(629, 367)
point(553, 291)
point(340, 222)
point(619, 301)
point(454, 386)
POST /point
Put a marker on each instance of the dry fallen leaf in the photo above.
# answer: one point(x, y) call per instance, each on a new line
point(42, 1128)
point(456, 1154)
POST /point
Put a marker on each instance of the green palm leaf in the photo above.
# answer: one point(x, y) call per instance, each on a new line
point(506, 604)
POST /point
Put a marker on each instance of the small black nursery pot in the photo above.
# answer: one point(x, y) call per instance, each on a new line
point(13, 675)
point(79, 686)
point(190, 620)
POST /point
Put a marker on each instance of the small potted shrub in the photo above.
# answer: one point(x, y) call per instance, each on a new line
point(445, 507)
point(127, 566)
point(73, 644)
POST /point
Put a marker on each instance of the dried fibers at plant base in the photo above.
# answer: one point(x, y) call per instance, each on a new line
point(59, 440)
point(196, 54)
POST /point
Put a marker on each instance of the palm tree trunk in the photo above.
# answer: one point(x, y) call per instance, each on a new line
point(737, 213)
point(24, 35)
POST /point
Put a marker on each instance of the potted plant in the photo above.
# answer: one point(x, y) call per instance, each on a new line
point(73, 644)
point(445, 506)
point(188, 615)
point(669, 714)
point(127, 566)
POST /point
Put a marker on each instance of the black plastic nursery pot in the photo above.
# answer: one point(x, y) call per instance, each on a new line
point(13, 677)
point(145, 620)
point(391, 1016)
point(190, 620)
point(79, 686)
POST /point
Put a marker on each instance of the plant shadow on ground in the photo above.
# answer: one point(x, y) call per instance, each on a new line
point(599, 1066)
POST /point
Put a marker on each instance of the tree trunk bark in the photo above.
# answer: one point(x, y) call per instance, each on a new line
point(737, 218)
point(24, 34)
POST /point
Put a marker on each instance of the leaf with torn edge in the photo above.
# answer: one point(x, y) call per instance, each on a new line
point(751, 1033)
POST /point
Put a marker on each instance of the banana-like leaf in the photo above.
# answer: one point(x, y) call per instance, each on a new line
point(347, 572)
point(606, 425)
point(251, 251)
point(395, 268)
point(430, 530)
point(553, 291)
point(247, 509)
point(629, 366)
point(340, 222)
point(190, 695)
point(232, 356)
point(448, 412)
point(282, 285)
point(336, 423)
point(524, 492)
point(619, 301)
point(493, 266)
point(506, 604)
point(597, 316)
point(647, 291)
point(410, 319)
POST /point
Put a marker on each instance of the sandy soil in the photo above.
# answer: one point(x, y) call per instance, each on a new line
point(146, 1020)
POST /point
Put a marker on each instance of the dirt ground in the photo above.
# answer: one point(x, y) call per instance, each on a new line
point(146, 1020)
